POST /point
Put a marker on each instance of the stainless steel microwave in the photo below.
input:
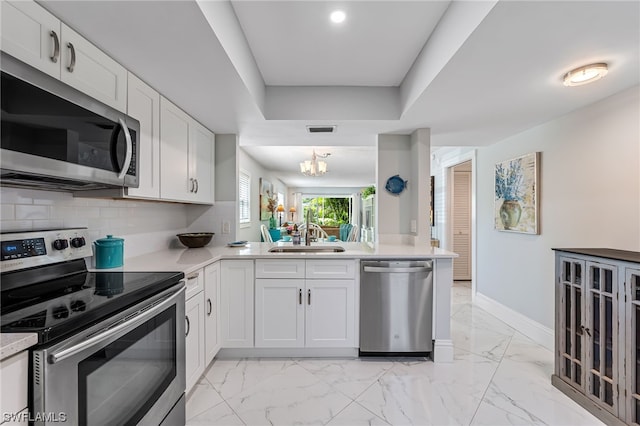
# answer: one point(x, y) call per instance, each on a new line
point(55, 137)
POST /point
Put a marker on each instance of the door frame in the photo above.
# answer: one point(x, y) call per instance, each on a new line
point(447, 165)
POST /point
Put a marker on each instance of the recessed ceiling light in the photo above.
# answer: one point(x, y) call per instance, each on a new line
point(337, 16)
point(585, 74)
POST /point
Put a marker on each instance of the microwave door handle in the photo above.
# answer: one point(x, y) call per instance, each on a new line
point(129, 149)
point(128, 324)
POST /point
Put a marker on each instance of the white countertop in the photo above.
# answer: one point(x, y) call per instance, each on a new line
point(13, 343)
point(188, 260)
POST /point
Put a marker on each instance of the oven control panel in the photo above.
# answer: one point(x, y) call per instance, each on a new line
point(21, 250)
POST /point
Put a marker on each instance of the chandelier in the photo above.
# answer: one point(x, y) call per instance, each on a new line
point(314, 167)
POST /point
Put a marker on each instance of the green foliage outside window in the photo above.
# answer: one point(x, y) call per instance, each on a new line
point(327, 211)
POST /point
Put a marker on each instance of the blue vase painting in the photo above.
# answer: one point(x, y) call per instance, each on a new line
point(516, 194)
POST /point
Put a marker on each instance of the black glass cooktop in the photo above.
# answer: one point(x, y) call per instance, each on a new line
point(58, 307)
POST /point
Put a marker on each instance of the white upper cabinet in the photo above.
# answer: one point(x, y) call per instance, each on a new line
point(31, 34)
point(91, 71)
point(201, 161)
point(143, 104)
point(36, 37)
point(186, 157)
point(174, 143)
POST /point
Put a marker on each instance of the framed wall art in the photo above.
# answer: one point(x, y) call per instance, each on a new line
point(516, 194)
point(266, 191)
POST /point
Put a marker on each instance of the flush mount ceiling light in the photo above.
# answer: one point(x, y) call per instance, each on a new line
point(314, 167)
point(337, 16)
point(585, 74)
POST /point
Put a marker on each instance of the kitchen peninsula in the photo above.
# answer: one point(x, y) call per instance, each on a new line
point(255, 255)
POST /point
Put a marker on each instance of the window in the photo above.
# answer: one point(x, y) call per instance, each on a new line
point(244, 195)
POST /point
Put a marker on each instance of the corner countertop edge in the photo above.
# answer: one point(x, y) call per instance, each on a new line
point(13, 343)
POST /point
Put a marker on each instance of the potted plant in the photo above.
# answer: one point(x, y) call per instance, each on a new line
point(272, 205)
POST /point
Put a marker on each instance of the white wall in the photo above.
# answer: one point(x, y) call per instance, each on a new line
point(393, 214)
point(418, 186)
point(589, 197)
point(255, 169)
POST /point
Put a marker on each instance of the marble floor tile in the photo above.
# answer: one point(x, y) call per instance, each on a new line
point(356, 415)
point(351, 376)
point(231, 377)
point(522, 388)
point(293, 396)
point(474, 330)
point(202, 397)
point(428, 393)
point(220, 415)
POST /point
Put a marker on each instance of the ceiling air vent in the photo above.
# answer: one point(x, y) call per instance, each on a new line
point(321, 129)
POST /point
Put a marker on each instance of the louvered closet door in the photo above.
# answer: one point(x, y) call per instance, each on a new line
point(462, 225)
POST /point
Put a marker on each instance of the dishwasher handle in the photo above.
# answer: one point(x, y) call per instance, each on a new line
point(394, 270)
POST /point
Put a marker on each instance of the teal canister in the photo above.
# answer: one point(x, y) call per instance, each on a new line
point(109, 252)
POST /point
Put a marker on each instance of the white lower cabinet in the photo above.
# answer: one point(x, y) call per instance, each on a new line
point(330, 314)
point(236, 303)
point(13, 388)
point(211, 311)
point(194, 328)
point(280, 313)
point(303, 311)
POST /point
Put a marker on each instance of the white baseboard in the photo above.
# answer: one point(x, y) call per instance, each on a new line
point(525, 325)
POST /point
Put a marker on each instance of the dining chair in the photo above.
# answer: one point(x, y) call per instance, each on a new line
point(266, 236)
point(315, 231)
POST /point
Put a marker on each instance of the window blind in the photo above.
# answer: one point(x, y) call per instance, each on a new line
point(244, 194)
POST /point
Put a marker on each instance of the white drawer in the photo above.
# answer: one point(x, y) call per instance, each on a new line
point(324, 269)
point(195, 283)
point(285, 268)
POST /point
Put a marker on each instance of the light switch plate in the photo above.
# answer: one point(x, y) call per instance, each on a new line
point(226, 227)
point(414, 225)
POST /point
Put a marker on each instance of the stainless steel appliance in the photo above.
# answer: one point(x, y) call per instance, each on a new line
point(55, 137)
point(396, 307)
point(111, 345)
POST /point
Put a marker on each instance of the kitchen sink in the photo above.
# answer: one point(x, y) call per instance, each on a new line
point(307, 249)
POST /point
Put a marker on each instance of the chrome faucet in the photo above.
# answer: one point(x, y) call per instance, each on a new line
point(307, 233)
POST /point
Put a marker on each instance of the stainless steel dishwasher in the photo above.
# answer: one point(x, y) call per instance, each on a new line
point(396, 307)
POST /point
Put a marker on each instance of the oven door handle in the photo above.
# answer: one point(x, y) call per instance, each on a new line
point(124, 325)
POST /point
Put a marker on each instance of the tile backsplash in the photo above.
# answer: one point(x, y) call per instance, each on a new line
point(150, 225)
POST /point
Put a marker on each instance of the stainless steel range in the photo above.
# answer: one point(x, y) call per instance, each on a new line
point(110, 344)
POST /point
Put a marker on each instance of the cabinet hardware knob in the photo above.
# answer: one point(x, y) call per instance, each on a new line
point(72, 63)
point(210, 307)
point(188, 326)
point(56, 47)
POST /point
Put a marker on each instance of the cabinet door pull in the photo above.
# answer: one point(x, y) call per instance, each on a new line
point(210, 307)
point(186, 333)
point(299, 296)
point(197, 185)
point(193, 276)
point(309, 297)
point(72, 63)
point(56, 47)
